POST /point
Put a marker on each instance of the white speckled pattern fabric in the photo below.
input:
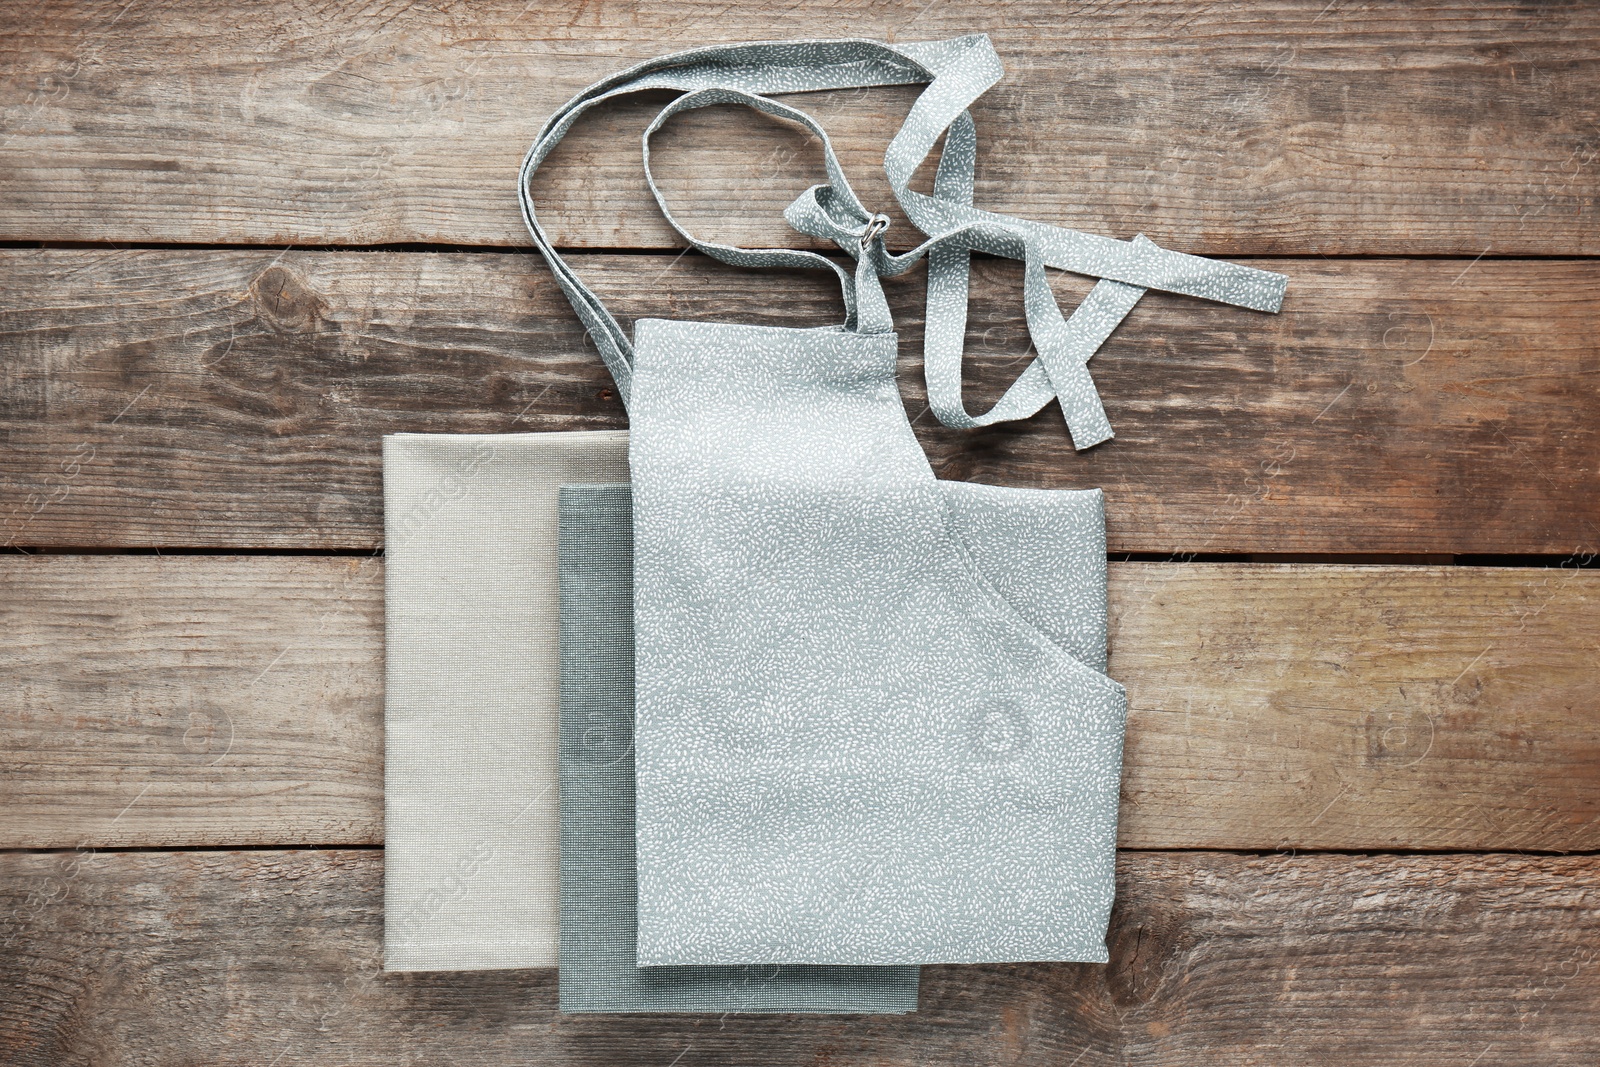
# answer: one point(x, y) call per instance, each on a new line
point(851, 746)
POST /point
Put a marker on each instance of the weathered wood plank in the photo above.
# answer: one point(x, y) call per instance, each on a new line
point(209, 700)
point(1280, 126)
point(237, 398)
point(191, 701)
point(1217, 959)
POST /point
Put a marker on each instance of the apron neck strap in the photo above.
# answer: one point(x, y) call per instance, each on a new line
point(760, 68)
point(866, 310)
point(957, 72)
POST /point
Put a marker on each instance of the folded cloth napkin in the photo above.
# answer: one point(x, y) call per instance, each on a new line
point(472, 616)
point(598, 892)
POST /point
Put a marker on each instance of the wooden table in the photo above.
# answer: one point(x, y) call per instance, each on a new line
point(1354, 593)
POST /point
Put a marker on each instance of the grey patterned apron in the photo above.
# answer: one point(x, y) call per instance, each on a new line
point(857, 741)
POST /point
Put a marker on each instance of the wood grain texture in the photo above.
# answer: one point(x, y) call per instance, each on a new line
point(191, 701)
point(1278, 126)
point(1217, 959)
point(206, 700)
point(237, 398)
